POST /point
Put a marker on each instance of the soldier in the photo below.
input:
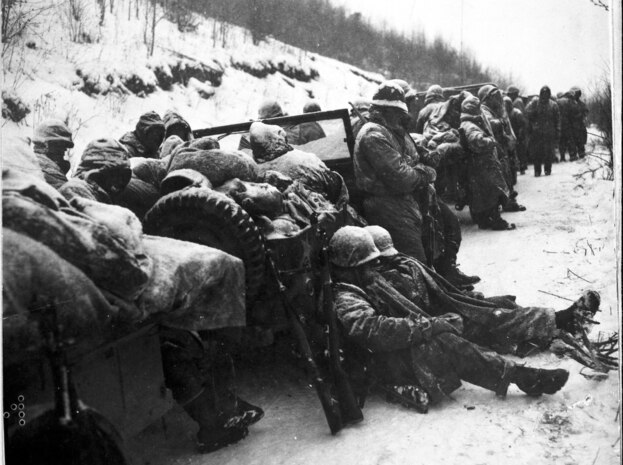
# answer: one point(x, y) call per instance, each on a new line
point(408, 347)
point(146, 138)
point(434, 97)
point(175, 125)
point(496, 322)
point(51, 141)
point(410, 100)
point(579, 123)
point(492, 106)
point(544, 126)
point(513, 93)
point(487, 188)
point(102, 174)
point(568, 108)
point(519, 124)
point(390, 173)
point(307, 132)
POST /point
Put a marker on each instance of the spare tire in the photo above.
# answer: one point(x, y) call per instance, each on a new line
point(211, 218)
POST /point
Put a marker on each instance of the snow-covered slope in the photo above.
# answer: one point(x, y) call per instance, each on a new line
point(54, 75)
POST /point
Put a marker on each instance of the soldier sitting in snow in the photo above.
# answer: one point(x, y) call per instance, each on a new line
point(496, 322)
point(418, 356)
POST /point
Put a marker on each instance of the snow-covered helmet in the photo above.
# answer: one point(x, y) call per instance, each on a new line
point(382, 240)
point(352, 246)
point(53, 130)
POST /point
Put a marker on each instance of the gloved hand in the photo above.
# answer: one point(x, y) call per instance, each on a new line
point(430, 173)
point(448, 323)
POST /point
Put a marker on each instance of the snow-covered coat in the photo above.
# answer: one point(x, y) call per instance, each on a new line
point(389, 173)
point(407, 346)
point(134, 141)
point(172, 120)
point(52, 173)
point(395, 338)
point(544, 119)
point(425, 113)
point(503, 132)
point(487, 186)
point(497, 322)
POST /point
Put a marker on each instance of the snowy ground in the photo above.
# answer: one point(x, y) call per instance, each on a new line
point(564, 240)
point(568, 227)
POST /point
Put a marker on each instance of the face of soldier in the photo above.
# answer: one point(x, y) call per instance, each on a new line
point(154, 137)
point(113, 181)
point(57, 152)
point(495, 98)
point(179, 131)
point(544, 95)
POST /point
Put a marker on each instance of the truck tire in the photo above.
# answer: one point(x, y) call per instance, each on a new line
point(210, 218)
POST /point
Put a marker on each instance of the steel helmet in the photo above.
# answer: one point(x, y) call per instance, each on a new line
point(382, 240)
point(53, 130)
point(352, 246)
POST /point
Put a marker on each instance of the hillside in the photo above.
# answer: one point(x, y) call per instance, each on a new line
point(102, 80)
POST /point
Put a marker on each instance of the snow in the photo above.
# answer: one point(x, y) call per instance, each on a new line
point(564, 243)
point(45, 77)
point(578, 425)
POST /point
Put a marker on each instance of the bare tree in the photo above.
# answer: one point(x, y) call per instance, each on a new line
point(18, 17)
point(601, 4)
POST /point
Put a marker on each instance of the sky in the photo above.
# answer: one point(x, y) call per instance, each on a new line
point(560, 43)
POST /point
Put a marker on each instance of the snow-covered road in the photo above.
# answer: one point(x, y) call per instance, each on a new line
point(564, 243)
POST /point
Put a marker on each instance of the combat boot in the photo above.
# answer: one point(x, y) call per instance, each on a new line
point(212, 435)
point(457, 277)
point(537, 381)
point(499, 224)
point(580, 314)
point(513, 206)
point(410, 396)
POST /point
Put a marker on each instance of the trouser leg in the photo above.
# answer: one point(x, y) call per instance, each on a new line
point(401, 217)
point(548, 156)
point(448, 352)
point(452, 238)
point(200, 376)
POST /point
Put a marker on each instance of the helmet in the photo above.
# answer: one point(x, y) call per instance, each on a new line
point(53, 131)
point(179, 179)
point(311, 106)
point(352, 246)
point(382, 240)
point(269, 109)
point(486, 91)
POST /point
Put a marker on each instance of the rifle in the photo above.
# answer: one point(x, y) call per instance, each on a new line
point(329, 404)
point(349, 406)
point(362, 118)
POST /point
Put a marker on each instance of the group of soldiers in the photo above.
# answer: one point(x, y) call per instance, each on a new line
point(404, 307)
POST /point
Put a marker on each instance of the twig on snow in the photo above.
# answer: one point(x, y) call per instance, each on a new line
point(578, 276)
point(560, 297)
point(596, 455)
point(599, 158)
